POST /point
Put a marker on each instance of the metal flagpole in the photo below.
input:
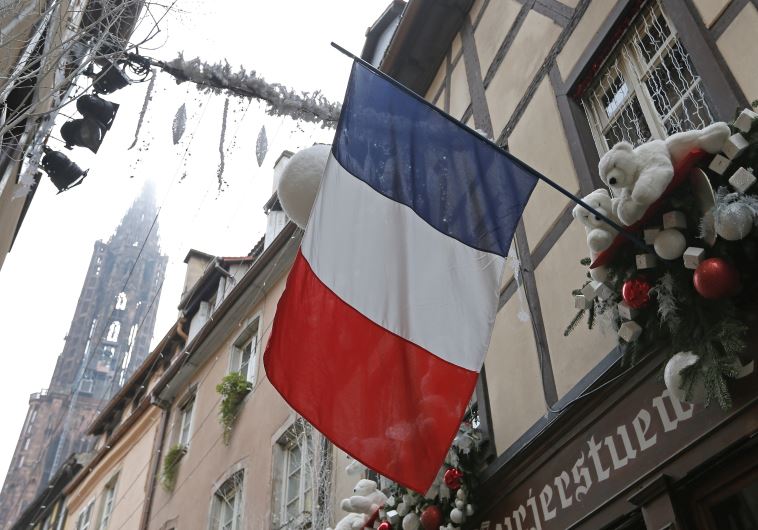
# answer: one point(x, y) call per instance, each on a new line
point(628, 235)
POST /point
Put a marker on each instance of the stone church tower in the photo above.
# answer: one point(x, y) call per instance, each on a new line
point(108, 338)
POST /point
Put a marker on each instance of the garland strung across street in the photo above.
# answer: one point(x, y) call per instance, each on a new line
point(447, 504)
point(693, 199)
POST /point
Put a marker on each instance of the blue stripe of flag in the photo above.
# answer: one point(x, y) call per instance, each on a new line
point(408, 151)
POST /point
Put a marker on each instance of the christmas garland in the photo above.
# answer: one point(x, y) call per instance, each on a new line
point(448, 503)
point(690, 291)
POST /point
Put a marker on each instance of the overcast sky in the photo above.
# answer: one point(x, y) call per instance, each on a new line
point(286, 41)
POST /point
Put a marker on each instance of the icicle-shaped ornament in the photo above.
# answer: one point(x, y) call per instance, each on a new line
point(261, 146)
point(180, 123)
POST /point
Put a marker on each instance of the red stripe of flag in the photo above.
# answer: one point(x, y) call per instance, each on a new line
point(374, 393)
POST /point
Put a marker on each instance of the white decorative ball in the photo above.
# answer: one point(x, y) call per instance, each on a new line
point(469, 510)
point(402, 509)
point(461, 494)
point(672, 376)
point(300, 180)
point(459, 504)
point(670, 244)
point(411, 521)
point(734, 221)
point(457, 516)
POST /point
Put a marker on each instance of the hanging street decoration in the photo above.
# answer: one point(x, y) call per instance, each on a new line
point(222, 137)
point(261, 146)
point(179, 124)
point(143, 111)
point(220, 78)
point(693, 199)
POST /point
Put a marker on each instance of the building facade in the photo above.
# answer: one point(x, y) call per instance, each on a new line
point(107, 341)
point(577, 441)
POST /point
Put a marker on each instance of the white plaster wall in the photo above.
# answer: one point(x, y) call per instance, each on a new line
point(738, 46)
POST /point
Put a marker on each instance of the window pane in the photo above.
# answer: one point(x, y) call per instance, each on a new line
point(738, 511)
point(293, 462)
point(630, 126)
point(293, 487)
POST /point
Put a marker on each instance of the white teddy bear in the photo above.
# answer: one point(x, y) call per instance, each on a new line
point(637, 176)
point(368, 498)
point(599, 233)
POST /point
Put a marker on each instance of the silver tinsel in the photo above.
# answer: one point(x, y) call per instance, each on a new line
point(143, 111)
point(221, 164)
point(281, 100)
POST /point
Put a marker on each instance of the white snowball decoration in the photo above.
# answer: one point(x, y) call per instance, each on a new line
point(672, 376)
point(670, 244)
point(733, 221)
point(300, 180)
point(456, 516)
point(402, 509)
point(459, 504)
point(411, 521)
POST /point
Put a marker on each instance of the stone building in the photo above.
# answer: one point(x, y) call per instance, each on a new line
point(107, 341)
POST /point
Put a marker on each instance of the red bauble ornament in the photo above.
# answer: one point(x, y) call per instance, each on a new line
point(453, 478)
point(715, 278)
point(636, 293)
point(431, 517)
point(384, 526)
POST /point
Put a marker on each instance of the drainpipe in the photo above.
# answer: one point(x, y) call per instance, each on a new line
point(152, 478)
point(160, 438)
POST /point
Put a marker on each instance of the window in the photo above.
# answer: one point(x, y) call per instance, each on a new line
point(83, 521)
point(113, 331)
point(295, 481)
point(121, 301)
point(226, 508)
point(185, 423)
point(648, 87)
point(87, 384)
point(244, 358)
point(109, 493)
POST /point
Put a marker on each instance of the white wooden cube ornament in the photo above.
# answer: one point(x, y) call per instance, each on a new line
point(626, 312)
point(693, 256)
point(650, 234)
point(745, 120)
point(675, 219)
point(582, 302)
point(645, 261)
point(719, 164)
point(734, 146)
point(742, 180)
point(630, 331)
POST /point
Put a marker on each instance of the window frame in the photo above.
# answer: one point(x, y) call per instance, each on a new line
point(306, 492)
point(235, 483)
point(85, 524)
point(635, 71)
point(107, 503)
point(186, 419)
point(250, 335)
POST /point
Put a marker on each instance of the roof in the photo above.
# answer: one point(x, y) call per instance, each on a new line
point(193, 253)
point(426, 30)
point(373, 32)
point(278, 256)
point(44, 502)
point(208, 281)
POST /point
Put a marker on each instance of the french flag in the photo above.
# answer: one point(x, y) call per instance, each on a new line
point(387, 314)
